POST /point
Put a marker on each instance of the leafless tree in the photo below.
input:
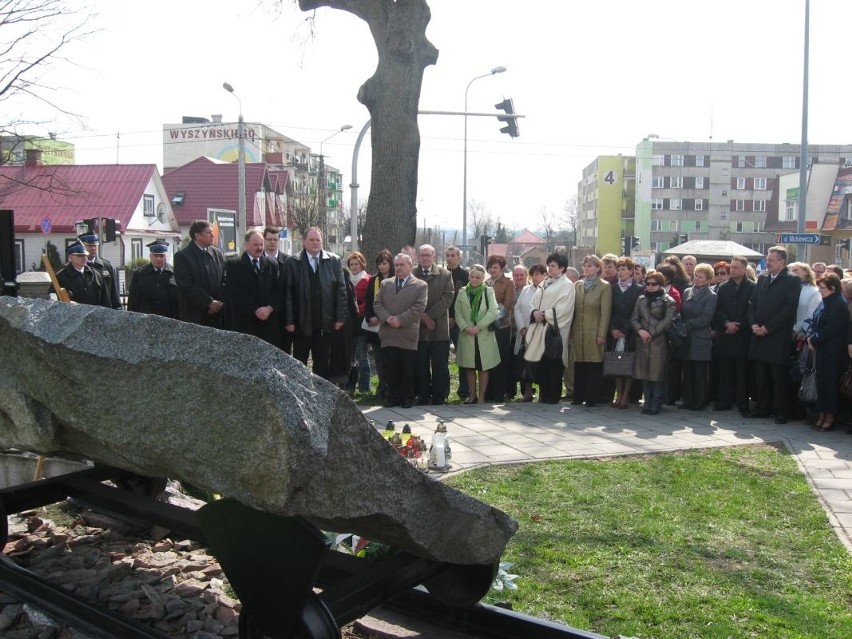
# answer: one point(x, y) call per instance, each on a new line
point(34, 38)
point(392, 96)
point(303, 211)
point(480, 217)
point(570, 219)
point(550, 221)
point(361, 219)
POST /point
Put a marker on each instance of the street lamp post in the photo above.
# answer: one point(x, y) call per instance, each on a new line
point(464, 207)
point(322, 184)
point(353, 205)
point(241, 170)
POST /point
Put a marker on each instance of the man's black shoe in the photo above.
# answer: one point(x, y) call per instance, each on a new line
point(745, 414)
point(406, 403)
point(759, 415)
point(721, 407)
point(391, 403)
point(781, 419)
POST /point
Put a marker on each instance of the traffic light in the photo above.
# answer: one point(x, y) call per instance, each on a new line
point(684, 238)
point(109, 230)
point(484, 241)
point(511, 122)
point(625, 246)
point(91, 225)
point(634, 241)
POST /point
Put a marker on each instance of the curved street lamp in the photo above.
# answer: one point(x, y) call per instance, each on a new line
point(493, 71)
point(322, 184)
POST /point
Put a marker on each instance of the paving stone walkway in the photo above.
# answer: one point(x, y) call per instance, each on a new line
point(515, 433)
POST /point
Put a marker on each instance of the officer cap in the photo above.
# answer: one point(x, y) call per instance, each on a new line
point(157, 247)
point(89, 238)
point(76, 249)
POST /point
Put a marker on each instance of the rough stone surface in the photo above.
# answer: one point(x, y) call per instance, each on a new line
point(226, 413)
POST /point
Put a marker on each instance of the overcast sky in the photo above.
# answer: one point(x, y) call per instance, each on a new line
point(593, 78)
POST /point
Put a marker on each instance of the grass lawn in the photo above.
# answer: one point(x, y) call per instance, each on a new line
point(706, 544)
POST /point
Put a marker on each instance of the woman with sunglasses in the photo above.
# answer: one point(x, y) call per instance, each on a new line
point(652, 315)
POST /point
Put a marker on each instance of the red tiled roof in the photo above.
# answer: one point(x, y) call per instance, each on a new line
point(498, 249)
point(68, 193)
point(208, 183)
point(527, 237)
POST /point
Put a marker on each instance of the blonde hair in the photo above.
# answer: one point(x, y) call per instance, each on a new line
point(479, 269)
point(810, 275)
point(706, 269)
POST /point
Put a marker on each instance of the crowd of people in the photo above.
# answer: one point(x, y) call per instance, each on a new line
point(686, 334)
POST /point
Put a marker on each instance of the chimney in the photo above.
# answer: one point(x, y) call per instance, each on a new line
point(33, 157)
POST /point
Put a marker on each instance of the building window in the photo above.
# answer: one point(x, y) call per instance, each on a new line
point(676, 160)
point(759, 184)
point(699, 182)
point(741, 161)
point(657, 204)
point(656, 225)
point(699, 204)
point(657, 182)
point(789, 162)
point(658, 160)
point(760, 162)
point(759, 206)
point(739, 205)
point(19, 256)
point(676, 182)
point(739, 227)
point(792, 210)
point(699, 160)
point(675, 204)
point(740, 184)
point(673, 225)
point(136, 248)
point(148, 205)
point(723, 215)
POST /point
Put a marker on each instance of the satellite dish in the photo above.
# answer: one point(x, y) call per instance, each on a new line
point(162, 212)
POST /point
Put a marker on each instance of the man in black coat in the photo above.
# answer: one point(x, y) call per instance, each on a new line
point(92, 243)
point(200, 276)
point(253, 292)
point(271, 242)
point(772, 313)
point(733, 335)
point(314, 301)
point(153, 288)
point(83, 284)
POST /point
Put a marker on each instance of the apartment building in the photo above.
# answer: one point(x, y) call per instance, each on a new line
point(605, 203)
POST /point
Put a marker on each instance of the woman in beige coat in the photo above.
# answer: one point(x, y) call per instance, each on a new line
point(592, 311)
point(553, 304)
point(652, 315)
point(476, 309)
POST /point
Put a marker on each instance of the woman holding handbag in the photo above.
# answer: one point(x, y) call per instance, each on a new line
point(553, 302)
point(653, 313)
point(625, 292)
point(523, 311)
point(827, 338)
point(476, 309)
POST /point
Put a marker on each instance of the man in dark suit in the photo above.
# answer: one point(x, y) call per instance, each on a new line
point(83, 284)
point(315, 301)
point(253, 292)
point(92, 243)
point(153, 288)
point(772, 313)
point(271, 242)
point(733, 334)
point(200, 276)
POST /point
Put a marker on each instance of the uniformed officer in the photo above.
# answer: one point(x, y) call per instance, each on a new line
point(83, 283)
point(91, 241)
point(153, 288)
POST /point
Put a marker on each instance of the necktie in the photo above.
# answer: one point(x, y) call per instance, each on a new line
point(313, 263)
point(256, 264)
point(398, 285)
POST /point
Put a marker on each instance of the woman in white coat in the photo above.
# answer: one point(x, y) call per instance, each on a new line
point(553, 305)
point(476, 309)
point(522, 311)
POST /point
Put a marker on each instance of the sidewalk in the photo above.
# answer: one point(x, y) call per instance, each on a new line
point(516, 432)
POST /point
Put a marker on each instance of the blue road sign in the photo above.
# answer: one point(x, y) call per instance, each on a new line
point(800, 238)
point(46, 225)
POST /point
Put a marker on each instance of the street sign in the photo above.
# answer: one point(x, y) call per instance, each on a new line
point(46, 225)
point(800, 238)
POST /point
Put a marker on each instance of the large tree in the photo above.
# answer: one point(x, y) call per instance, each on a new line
point(392, 96)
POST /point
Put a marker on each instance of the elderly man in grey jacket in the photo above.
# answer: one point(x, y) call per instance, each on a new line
point(399, 307)
point(433, 350)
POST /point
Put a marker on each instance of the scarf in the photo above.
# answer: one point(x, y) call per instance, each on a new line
point(474, 295)
point(589, 282)
point(550, 280)
point(357, 278)
point(654, 296)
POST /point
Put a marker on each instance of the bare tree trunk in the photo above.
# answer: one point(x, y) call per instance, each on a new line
point(392, 97)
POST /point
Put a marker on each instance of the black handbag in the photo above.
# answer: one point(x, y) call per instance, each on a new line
point(676, 333)
point(808, 389)
point(846, 383)
point(618, 363)
point(553, 340)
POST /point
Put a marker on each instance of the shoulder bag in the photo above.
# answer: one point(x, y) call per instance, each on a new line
point(808, 389)
point(846, 383)
point(618, 362)
point(676, 333)
point(553, 340)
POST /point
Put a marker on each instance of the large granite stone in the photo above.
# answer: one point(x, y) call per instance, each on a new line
point(226, 413)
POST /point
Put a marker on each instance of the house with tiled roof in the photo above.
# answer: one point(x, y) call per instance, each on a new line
point(527, 249)
point(49, 201)
point(206, 189)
